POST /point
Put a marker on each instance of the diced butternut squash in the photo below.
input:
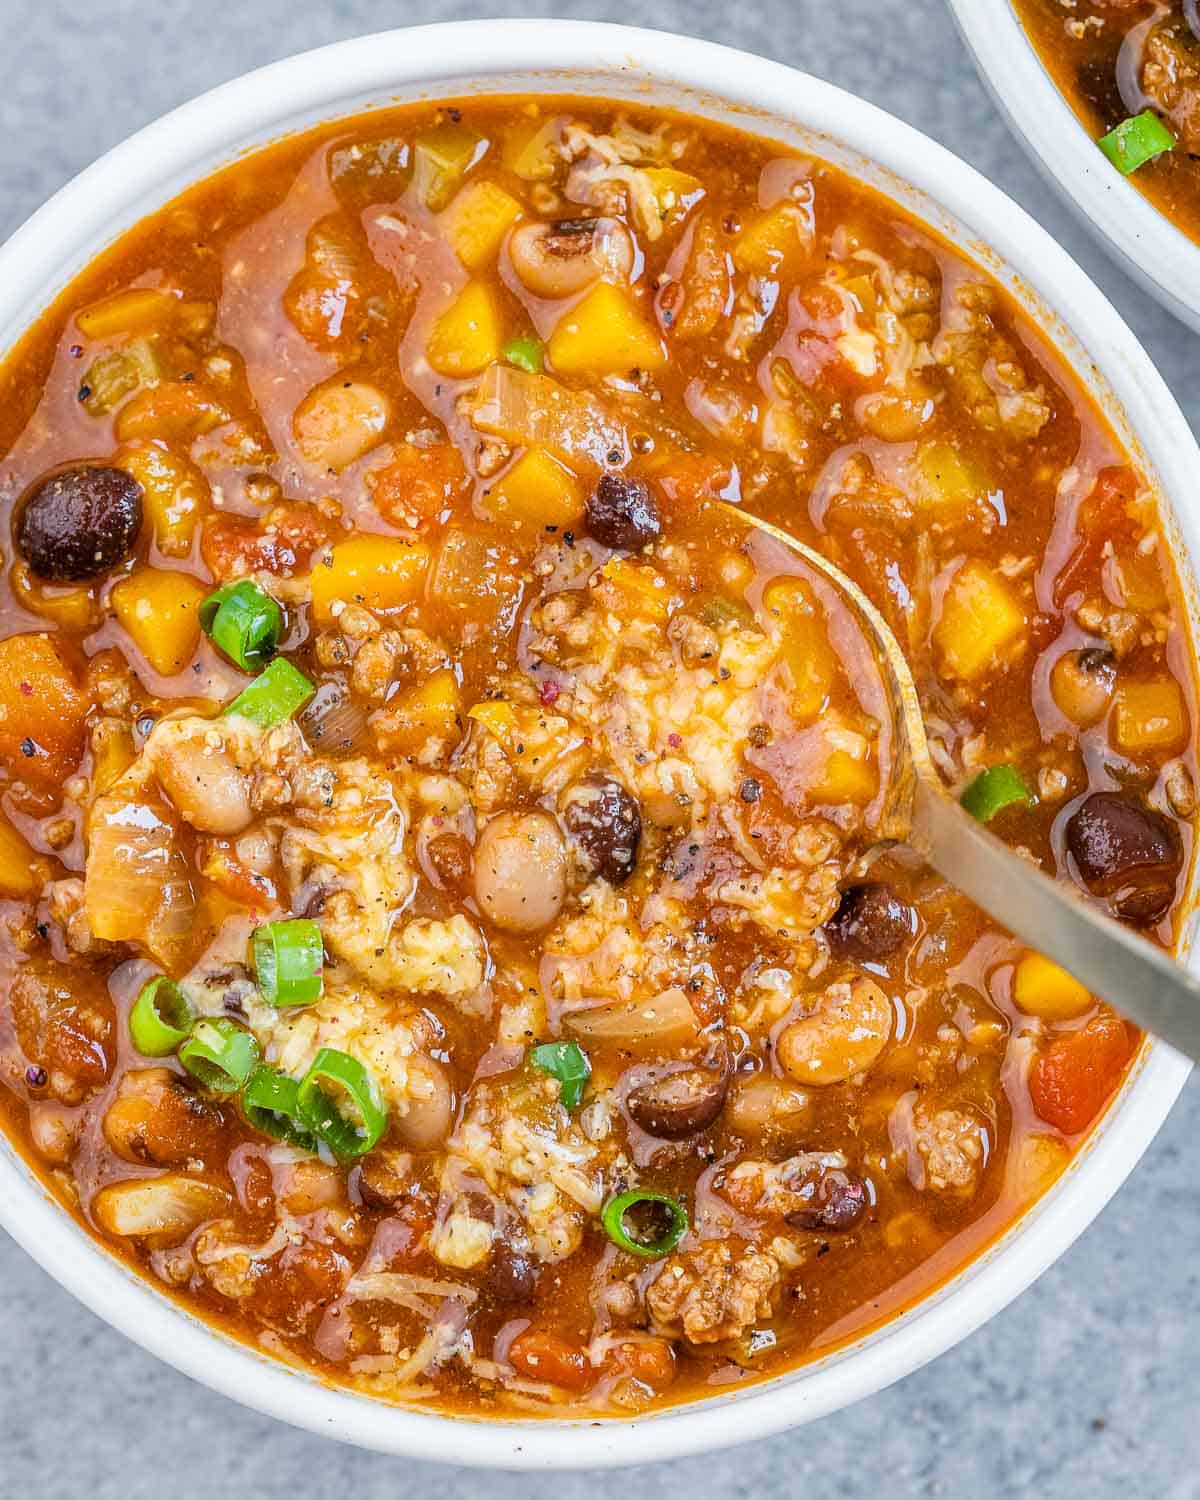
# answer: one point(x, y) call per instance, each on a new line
point(775, 244)
point(946, 480)
point(980, 621)
point(803, 645)
point(531, 149)
point(72, 606)
point(339, 421)
point(431, 711)
point(604, 334)
point(1036, 1163)
point(1150, 716)
point(112, 753)
point(469, 335)
point(378, 572)
point(441, 159)
point(175, 411)
point(175, 494)
point(132, 311)
point(477, 221)
point(117, 374)
point(1041, 988)
point(19, 876)
point(159, 611)
point(642, 589)
point(536, 491)
point(847, 776)
point(497, 717)
point(675, 193)
point(42, 711)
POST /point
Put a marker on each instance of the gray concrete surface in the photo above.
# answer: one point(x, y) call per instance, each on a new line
point(1089, 1385)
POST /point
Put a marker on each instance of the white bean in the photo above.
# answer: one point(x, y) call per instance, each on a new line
point(521, 871)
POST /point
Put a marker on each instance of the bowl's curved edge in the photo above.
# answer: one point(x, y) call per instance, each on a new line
point(154, 164)
point(1147, 246)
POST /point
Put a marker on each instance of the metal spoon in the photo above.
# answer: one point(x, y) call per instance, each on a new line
point(1140, 980)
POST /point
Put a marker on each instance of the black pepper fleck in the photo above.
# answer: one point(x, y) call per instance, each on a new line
point(750, 790)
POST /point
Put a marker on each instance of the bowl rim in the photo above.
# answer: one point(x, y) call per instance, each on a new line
point(157, 161)
point(1143, 240)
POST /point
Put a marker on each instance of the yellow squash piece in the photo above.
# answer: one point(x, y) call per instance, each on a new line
point(468, 336)
point(536, 491)
point(775, 244)
point(604, 334)
point(979, 622)
point(430, 711)
point(19, 876)
point(159, 612)
point(1150, 716)
point(1041, 988)
point(441, 159)
point(846, 777)
point(675, 193)
point(175, 494)
point(531, 149)
point(641, 589)
point(803, 645)
point(946, 481)
point(378, 572)
point(477, 221)
point(132, 311)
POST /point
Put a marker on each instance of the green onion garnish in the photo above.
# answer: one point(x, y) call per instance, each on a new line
point(274, 695)
point(244, 622)
point(161, 1018)
point(288, 959)
point(525, 352)
point(321, 1114)
point(220, 1054)
point(616, 1209)
point(566, 1061)
point(271, 1103)
point(996, 788)
point(1136, 141)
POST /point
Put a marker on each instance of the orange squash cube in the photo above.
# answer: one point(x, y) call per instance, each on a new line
point(159, 611)
point(378, 572)
point(536, 491)
point(979, 623)
point(42, 711)
point(604, 334)
point(1150, 716)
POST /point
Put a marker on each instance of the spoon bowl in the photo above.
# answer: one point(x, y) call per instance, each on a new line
point(1137, 978)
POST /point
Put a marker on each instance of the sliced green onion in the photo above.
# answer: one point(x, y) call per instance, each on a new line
point(288, 959)
point(1136, 141)
point(613, 1219)
point(161, 1018)
point(321, 1113)
point(525, 352)
point(274, 695)
point(566, 1061)
point(244, 622)
point(996, 788)
point(220, 1054)
point(271, 1103)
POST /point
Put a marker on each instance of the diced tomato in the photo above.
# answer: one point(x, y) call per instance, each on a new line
point(1102, 516)
point(649, 1360)
point(419, 483)
point(282, 543)
point(688, 480)
point(543, 1355)
point(1072, 1080)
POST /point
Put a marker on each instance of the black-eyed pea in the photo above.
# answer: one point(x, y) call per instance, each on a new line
point(843, 1036)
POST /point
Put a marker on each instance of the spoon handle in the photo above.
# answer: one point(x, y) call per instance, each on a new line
point(1138, 979)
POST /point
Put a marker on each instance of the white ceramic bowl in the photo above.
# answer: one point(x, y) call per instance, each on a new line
point(1149, 247)
point(558, 56)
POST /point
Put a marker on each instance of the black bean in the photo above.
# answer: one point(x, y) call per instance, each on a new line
point(871, 922)
point(621, 513)
point(1126, 853)
point(512, 1275)
point(839, 1200)
point(604, 824)
point(78, 523)
point(679, 1104)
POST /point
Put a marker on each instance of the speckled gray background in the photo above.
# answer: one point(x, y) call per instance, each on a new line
point(1089, 1385)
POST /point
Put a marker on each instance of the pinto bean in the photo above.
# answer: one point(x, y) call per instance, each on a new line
point(426, 1121)
point(156, 1119)
point(204, 784)
point(839, 1201)
point(1081, 683)
point(604, 824)
point(564, 257)
point(679, 1104)
point(871, 922)
point(843, 1036)
point(1127, 853)
point(622, 513)
point(79, 522)
point(521, 871)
